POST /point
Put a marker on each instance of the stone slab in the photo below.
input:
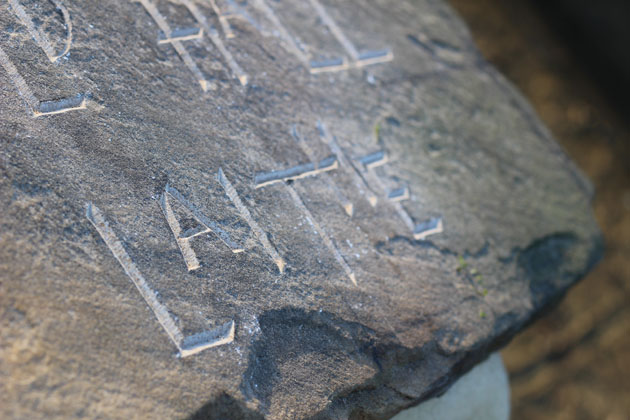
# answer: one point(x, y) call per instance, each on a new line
point(265, 209)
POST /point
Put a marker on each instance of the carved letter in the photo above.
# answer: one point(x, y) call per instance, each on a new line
point(40, 36)
point(183, 238)
point(230, 191)
point(176, 43)
point(40, 108)
point(186, 345)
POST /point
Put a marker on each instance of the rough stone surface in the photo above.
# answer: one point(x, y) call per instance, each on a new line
point(77, 339)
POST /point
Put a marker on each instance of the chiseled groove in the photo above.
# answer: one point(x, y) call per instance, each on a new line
point(399, 194)
point(406, 218)
point(300, 171)
point(236, 11)
point(369, 58)
point(402, 213)
point(325, 238)
point(190, 258)
point(245, 214)
point(95, 216)
point(374, 160)
point(199, 342)
point(36, 107)
point(19, 82)
point(68, 22)
point(358, 59)
point(283, 32)
point(420, 231)
point(181, 50)
point(186, 345)
point(205, 221)
point(185, 34)
point(346, 204)
point(330, 66)
point(428, 228)
point(341, 64)
point(335, 30)
point(39, 35)
point(345, 163)
point(237, 71)
point(60, 106)
point(223, 21)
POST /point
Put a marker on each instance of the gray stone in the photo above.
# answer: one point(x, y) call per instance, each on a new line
point(297, 210)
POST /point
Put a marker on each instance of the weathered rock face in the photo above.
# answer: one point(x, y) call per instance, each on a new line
point(205, 213)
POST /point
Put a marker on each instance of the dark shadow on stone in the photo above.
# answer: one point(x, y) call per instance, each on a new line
point(224, 407)
point(296, 339)
point(301, 357)
point(543, 263)
point(550, 266)
point(318, 349)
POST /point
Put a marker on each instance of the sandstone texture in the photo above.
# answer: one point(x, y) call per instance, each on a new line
point(266, 209)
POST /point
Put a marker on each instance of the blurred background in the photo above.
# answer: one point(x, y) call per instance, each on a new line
point(571, 58)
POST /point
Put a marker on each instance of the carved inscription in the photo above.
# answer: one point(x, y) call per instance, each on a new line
point(167, 33)
point(362, 169)
point(399, 194)
point(328, 242)
point(62, 105)
point(186, 34)
point(176, 37)
point(289, 41)
point(301, 171)
point(245, 214)
point(198, 342)
point(354, 59)
point(366, 181)
point(41, 108)
point(39, 35)
point(183, 238)
point(186, 345)
point(421, 230)
point(237, 71)
point(345, 203)
point(358, 180)
point(223, 20)
point(428, 227)
point(207, 225)
point(296, 172)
